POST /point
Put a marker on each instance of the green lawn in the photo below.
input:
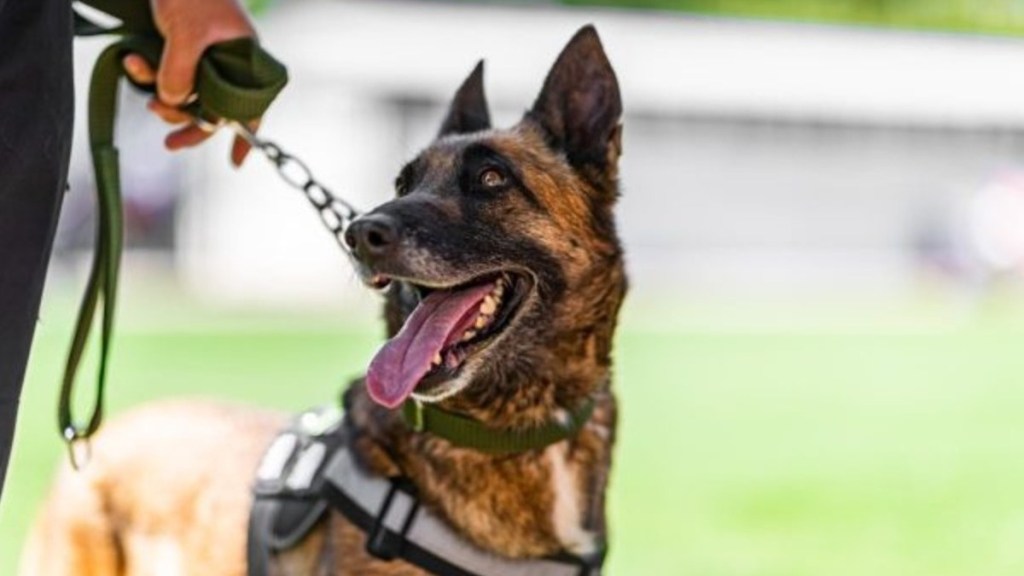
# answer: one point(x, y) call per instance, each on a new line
point(1003, 17)
point(756, 440)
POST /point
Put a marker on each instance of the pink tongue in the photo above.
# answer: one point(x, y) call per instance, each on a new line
point(403, 361)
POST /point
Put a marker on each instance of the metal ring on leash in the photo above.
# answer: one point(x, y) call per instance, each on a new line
point(207, 126)
point(79, 448)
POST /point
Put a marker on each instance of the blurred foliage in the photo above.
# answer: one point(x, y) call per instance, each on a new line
point(980, 16)
point(257, 6)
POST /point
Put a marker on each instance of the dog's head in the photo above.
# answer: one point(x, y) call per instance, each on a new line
point(500, 249)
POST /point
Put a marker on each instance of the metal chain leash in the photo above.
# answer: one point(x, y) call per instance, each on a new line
point(335, 213)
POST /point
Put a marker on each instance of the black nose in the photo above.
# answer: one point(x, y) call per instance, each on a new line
point(372, 236)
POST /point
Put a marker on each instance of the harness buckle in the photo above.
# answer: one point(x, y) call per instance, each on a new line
point(591, 564)
point(381, 542)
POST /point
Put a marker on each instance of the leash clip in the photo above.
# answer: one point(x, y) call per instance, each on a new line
point(79, 448)
point(206, 125)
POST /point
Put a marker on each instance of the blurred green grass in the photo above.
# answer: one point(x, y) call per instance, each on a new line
point(1003, 17)
point(756, 439)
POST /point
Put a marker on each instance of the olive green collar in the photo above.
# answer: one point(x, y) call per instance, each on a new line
point(466, 432)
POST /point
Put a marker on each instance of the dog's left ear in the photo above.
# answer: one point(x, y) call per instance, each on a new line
point(579, 107)
point(468, 111)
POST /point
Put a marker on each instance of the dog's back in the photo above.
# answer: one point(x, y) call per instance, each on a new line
point(162, 483)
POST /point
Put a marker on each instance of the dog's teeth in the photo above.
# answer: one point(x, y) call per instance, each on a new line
point(437, 359)
point(468, 335)
point(489, 305)
point(499, 290)
point(481, 321)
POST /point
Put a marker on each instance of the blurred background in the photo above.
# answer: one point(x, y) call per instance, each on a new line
point(820, 359)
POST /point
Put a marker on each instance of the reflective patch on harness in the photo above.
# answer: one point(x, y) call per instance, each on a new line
point(292, 465)
point(307, 464)
point(276, 458)
point(287, 504)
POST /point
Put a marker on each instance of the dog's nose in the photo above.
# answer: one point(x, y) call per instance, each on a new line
point(372, 236)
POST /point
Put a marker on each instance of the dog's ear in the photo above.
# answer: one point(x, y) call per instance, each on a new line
point(468, 111)
point(579, 107)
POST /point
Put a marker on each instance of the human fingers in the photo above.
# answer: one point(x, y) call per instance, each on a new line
point(186, 137)
point(138, 69)
point(168, 114)
point(176, 75)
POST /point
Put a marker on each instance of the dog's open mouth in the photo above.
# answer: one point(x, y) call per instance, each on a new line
point(448, 326)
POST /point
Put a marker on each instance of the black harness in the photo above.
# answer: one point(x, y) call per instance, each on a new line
point(309, 469)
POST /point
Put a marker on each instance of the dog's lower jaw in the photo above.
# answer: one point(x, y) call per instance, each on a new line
point(447, 390)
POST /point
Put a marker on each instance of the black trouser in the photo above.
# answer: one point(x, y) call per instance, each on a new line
point(36, 114)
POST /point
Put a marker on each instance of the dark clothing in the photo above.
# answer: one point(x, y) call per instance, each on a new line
point(36, 116)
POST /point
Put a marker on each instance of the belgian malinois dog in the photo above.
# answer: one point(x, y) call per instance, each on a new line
point(503, 276)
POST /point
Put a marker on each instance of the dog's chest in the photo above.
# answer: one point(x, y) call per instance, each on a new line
point(568, 502)
point(529, 505)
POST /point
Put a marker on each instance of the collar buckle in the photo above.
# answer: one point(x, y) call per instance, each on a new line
point(417, 416)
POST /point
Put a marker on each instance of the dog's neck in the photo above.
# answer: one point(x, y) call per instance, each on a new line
point(523, 505)
point(536, 502)
point(530, 504)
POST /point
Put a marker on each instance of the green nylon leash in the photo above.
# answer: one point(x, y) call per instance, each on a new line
point(235, 81)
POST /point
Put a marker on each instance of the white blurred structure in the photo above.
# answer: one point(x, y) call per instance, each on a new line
point(997, 215)
point(758, 156)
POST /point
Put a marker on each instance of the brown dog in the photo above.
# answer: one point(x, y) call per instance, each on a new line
point(504, 276)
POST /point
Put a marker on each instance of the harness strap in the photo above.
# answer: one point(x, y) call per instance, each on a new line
point(310, 466)
point(235, 80)
point(397, 527)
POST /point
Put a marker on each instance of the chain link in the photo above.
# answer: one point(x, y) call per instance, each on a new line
point(335, 214)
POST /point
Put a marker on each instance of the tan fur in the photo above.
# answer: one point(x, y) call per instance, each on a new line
point(168, 484)
point(169, 479)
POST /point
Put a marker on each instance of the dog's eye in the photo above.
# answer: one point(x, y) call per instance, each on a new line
point(491, 178)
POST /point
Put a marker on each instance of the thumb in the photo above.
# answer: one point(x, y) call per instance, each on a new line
point(175, 80)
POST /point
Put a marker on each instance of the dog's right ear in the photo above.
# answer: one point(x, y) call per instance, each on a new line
point(468, 111)
point(579, 107)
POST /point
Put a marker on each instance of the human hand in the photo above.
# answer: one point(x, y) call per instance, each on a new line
point(189, 27)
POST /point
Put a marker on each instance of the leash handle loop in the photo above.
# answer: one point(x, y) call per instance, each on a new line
point(101, 287)
point(236, 81)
